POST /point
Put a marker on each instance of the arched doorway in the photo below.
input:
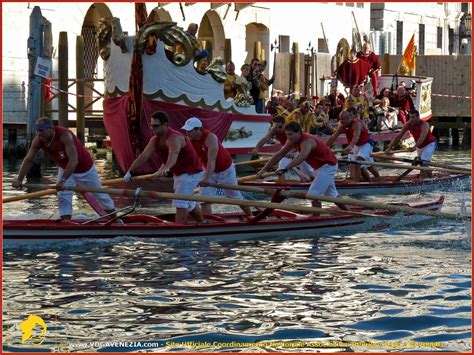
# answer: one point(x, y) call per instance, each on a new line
point(211, 34)
point(159, 14)
point(93, 68)
point(256, 32)
point(91, 50)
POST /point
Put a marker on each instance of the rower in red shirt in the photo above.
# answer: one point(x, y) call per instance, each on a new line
point(425, 140)
point(316, 153)
point(277, 131)
point(76, 166)
point(180, 159)
point(359, 147)
point(218, 164)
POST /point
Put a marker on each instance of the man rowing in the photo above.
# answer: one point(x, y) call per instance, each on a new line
point(277, 131)
point(179, 158)
point(424, 139)
point(219, 168)
point(76, 166)
point(316, 153)
point(359, 147)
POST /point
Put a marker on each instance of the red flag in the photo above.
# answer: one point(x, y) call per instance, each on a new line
point(408, 63)
point(48, 90)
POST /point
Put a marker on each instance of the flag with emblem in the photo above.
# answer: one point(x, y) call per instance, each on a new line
point(408, 64)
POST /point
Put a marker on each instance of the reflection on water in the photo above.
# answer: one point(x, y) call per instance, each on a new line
point(400, 290)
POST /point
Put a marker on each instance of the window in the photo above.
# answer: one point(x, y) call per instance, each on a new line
point(465, 7)
point(360, 4)
point(439, 38)
point(350, 4)
point(399, 37)
point(451, 40)
point(421, 39)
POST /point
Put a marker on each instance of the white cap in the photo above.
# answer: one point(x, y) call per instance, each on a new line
point(192, 123)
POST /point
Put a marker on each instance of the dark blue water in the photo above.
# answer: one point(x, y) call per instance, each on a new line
point(398, 290)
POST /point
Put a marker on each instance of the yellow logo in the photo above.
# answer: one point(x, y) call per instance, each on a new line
point(28, 326)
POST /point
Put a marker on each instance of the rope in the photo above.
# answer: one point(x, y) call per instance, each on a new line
point(50, 87)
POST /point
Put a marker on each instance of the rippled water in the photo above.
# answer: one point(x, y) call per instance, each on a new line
point(400, 290)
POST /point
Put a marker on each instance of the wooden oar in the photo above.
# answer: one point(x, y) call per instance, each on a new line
point(46, 192)
point(254, 177)
point(403, 166)
point(402, 176)
point(434, 164)
point(252, 162)
point(208, 199)
point(346, 201)
point(376, 154)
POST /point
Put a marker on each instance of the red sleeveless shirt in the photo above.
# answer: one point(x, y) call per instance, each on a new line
point(364, 134)
point(321, 155)
point(280, 137)
point(223, 159)
point(415, 131)
point(188, 161)
point(57, 151)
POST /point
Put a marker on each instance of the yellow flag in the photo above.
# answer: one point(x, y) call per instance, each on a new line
point(408, 63)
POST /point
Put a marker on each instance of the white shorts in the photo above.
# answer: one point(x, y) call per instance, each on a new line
point(426, 153)
point(227, 177)
point(362, 151)
point(185, 184)
point(323, 183)
point(90, 178)
point(303, 170)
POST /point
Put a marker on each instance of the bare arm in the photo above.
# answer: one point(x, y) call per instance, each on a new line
point(425, 127)
point(174, 144)
point(26, 164)
point(277, 156)
point(306, 147)
point(357, 132)
point(334, 136)
point(71, 153)
point(212, 149)
point(397, 138)
point(144, 156)
point(264, 140)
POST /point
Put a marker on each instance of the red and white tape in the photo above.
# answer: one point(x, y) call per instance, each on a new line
point(453, 96)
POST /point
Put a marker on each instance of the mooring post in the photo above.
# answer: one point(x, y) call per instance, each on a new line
point(35, 47)
point(63, 80)
point(80, 107)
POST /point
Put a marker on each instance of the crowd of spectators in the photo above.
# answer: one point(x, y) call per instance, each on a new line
point(319, 115)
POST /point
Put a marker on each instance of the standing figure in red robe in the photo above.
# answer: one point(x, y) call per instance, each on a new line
point(353, 71)
point(373, 61)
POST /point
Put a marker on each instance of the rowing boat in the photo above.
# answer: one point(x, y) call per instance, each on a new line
point(268, 223)
point(411, 184)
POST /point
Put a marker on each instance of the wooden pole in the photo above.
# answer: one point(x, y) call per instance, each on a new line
point(404, 166)
point(386, 63)
point(63, 79)
point(35, 45)
point(346, 201)
point(227, 50)
point(80, 85)
point(251, 162)
point(257, 52)
point(296, 68)
point(254, 177)
point(435, 164)
point(209, 199)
